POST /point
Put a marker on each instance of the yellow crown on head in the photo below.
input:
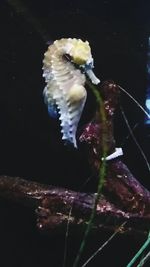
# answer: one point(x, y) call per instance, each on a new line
point(80, 52)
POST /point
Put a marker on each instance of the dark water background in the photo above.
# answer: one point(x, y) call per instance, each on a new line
point(30, 142)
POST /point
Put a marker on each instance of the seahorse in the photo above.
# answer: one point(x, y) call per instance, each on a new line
point(65, 66)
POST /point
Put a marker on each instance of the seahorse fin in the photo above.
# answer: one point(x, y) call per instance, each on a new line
point(52, 111)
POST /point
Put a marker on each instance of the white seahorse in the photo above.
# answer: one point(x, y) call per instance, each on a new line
point(66, 64)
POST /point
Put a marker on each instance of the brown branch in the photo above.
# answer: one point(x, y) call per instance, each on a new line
point(52, 206)
point(123, 198)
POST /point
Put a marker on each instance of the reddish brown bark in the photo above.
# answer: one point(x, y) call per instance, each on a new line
point(123, 198)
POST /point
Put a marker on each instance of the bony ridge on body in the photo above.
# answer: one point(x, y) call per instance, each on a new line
point(65, 93)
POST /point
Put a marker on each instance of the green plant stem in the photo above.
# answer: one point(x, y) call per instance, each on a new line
point(144, 260)
point(138, 254)
point(101, 172)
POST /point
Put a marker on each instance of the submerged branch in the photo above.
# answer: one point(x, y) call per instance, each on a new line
point(123, 198)
point(52, 206)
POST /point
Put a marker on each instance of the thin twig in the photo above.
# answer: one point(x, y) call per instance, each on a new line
point(134, 100)
point(104, 244)
point(66, 237)
point(134, 139)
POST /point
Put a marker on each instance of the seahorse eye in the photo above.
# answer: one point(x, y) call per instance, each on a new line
point(67, 57)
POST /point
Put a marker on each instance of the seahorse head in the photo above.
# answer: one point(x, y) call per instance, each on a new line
point(80, 52)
